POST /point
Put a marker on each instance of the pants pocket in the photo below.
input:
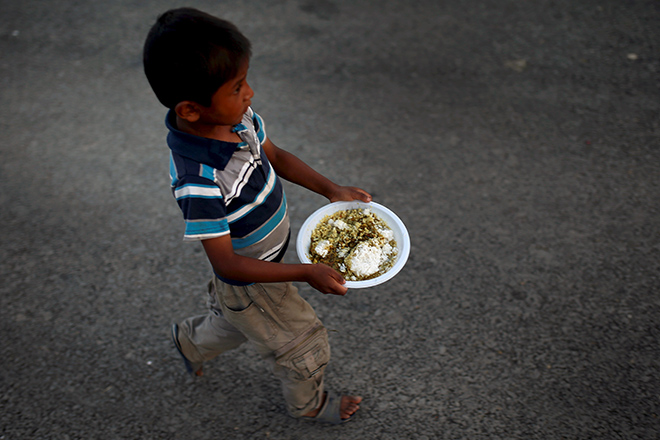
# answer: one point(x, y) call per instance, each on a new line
point(247, 316)
point(276, 292)
point(252, 322)
point(306, 356)
point(235, 299)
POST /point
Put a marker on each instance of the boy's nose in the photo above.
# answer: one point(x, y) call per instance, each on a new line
point(250, 92)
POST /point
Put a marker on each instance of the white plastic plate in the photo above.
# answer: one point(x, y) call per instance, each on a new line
point(400, 236)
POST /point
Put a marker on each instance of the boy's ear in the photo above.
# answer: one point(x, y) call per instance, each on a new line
point(188, 110)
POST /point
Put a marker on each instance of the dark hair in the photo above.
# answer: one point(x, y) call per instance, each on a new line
point(189, 55)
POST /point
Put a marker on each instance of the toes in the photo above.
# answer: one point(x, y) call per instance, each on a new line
point(350, 404)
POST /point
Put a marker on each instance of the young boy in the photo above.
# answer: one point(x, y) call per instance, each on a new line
point(224, 174)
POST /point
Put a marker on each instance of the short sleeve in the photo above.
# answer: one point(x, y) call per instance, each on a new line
point(203, 208)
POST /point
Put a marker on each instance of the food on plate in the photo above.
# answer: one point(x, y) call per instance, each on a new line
point(355, 242)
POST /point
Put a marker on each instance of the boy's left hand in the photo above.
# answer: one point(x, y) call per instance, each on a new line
point(349, 193)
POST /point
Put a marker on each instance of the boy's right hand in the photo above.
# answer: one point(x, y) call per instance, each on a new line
point(325, 279)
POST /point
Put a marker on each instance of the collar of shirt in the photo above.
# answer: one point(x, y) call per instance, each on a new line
point(204, 150)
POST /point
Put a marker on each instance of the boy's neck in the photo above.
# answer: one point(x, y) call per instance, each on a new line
point(217, 132)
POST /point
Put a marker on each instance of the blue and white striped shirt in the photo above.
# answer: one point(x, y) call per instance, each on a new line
point(229, 188)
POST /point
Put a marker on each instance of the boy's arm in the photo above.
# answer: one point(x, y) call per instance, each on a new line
point(294, 170)
point(229, 265)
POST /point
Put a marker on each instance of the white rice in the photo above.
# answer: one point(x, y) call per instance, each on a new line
point(357, 258)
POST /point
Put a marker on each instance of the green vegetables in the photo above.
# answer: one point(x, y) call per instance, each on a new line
point(355, 242)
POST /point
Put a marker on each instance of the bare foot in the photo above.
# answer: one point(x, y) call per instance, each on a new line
point(349, 405)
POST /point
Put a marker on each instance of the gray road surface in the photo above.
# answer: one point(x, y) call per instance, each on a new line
point(518, 140)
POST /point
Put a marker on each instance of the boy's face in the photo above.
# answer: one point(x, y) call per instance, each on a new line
point(230, 101)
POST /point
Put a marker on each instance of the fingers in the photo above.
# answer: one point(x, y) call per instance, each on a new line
point(326, 280)
point(340, 290)
point(348, 193)
point(362, 195)
point(336, 289)
point(337, 285)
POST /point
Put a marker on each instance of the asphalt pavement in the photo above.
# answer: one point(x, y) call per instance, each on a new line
point(519, 141)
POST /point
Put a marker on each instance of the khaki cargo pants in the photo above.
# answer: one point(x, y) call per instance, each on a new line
point(280, 324)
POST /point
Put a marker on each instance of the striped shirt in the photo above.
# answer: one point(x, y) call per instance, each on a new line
point(229, 188)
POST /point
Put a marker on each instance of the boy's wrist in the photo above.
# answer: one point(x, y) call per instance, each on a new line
point(306, 271)
point(333, 192)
